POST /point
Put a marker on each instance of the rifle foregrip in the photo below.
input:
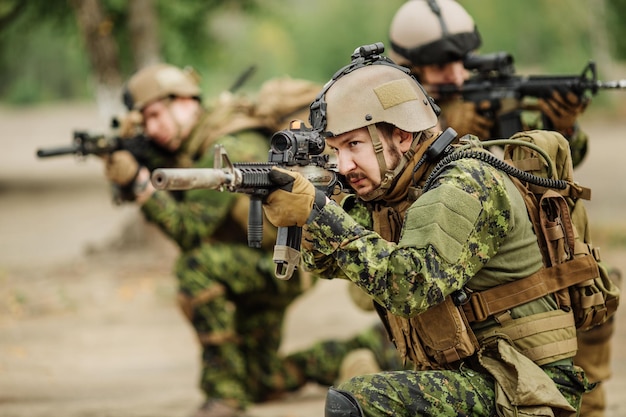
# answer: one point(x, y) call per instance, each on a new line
point(255, 223)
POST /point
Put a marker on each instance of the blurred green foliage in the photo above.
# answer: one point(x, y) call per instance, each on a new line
point(42, 56)
point(616, 19)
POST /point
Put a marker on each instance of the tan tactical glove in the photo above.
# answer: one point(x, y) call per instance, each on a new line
point(563, 111)
point(121, 167)
point(291, 204)
point(131, 124)
point(463, 117)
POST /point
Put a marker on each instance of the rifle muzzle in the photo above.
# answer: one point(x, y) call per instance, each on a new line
point(190, 178)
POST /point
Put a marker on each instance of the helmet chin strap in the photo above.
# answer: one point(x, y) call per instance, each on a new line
point(387, 176)
point(179, 128)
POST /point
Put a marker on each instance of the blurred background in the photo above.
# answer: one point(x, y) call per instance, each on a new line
point(78, 49)
point(88, 322)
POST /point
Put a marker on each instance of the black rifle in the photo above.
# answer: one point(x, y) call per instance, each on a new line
point(85, 143)
point(142, 148)
point(493, 81)
point(297, 148)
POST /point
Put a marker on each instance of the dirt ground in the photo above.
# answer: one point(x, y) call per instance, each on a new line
point(88, 324)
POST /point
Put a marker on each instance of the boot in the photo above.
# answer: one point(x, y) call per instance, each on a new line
point(357, 362)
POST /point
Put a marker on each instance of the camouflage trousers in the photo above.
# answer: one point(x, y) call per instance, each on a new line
point(237, 309)
point(454, 393)
point(321, 362)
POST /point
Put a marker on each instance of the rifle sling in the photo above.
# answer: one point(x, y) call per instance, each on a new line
point(483, 304)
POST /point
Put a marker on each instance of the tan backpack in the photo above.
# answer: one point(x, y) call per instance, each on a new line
point(279, 101)
point(562, 226)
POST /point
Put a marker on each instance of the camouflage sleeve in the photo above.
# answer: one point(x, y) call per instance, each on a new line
point(316, 261)
point(195, 215)
point(189, 221)
point(448, 235)
point(578, 146)
point(358, 211)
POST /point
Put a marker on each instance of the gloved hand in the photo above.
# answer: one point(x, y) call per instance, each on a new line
point(292, 202)
point(131, 124)
point(121, 167)
point(463, 117)
point(563, 111)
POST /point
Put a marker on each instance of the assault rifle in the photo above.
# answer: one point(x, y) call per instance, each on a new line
point(298, 149)
point(493, 80)
point(86, 143)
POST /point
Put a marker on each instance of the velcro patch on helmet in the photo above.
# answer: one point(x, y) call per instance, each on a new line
point(169, 76)
point(444, 218)
point(395, 92)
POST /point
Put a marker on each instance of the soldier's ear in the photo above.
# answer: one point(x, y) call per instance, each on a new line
point(403, 139)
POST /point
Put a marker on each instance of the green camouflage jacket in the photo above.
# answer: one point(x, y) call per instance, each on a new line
point(471, 229)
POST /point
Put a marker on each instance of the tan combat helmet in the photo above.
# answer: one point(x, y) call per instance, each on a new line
point(427, 32)
point(160, 81)
point(375, 94)
point(371, 90)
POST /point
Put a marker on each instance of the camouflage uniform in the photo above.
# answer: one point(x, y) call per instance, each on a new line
point(228, 290)
point(594, 345)
point(470, 230)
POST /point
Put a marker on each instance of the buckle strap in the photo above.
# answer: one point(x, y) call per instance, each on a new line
point(483, 304)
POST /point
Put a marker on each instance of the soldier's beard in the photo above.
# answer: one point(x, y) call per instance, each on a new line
point(392, 160)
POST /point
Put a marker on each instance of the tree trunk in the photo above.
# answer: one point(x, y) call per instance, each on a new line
point(103, 55)
point(143, 28)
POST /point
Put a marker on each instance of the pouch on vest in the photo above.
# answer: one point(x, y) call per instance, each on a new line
point(561, 224)
point(435, 338)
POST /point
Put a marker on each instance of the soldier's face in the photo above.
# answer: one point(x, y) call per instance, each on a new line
point(169, 122)
point(450, 73)
point(356, 159)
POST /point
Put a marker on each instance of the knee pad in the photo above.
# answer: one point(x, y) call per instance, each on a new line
point(341, 404)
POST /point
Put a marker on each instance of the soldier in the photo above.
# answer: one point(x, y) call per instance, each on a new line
point(227, 290)
point(470, 229)
point(434, 51)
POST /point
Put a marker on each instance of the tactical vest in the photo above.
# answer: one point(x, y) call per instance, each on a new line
point(458, 327)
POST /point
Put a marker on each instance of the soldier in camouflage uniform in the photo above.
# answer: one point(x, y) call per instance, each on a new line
point(227, 290)
point(469, 229)
point(434, 52)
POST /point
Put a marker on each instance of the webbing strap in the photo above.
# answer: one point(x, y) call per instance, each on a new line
point(483, 304)
point(207, 295)
point(543, 337)
point(218, 338)
point(551, 349)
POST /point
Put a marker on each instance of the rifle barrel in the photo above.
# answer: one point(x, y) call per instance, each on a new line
point(612, 84)
point(190, 178)
point(63, 150)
